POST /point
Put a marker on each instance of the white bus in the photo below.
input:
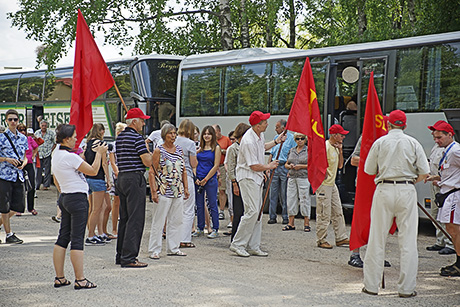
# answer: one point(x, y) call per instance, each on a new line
point(34, 92)
point(419, 75)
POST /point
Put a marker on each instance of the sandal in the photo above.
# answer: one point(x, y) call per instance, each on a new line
point(307, 228)
point(87, 285)
point(34, 212)
point(288, 227)
point(61, 283)
point(187, 245)
point(111, 236)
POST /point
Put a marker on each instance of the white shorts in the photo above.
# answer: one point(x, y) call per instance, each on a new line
point(450, 212)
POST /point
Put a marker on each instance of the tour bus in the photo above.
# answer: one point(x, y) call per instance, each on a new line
point(418, 75)
point(36, 92)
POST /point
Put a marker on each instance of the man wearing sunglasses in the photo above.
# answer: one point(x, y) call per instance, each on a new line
point(12, 161)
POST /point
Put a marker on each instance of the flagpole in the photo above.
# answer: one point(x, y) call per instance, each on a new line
point(270, 180)
point(119, 95)
point(436, 223)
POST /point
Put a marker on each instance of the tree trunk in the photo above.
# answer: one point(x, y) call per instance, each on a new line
point(411, 11)
point(292, 24)
point(362, 19)
point(225, 25)
point(244, 26)
point(271, 17)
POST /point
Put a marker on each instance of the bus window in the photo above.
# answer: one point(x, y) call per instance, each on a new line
point(426, 78)
point(120, 73)
point(155, 78)
point(200, 91)
point(58, 85)
point(31, 87)
point(246, 88)
point(286, 76)
point(8, 87)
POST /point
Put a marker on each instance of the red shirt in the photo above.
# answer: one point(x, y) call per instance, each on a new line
point(224, 143)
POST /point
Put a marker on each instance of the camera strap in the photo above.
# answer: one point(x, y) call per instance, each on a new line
point(12, 145)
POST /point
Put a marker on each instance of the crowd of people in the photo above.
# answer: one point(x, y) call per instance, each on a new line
point(193, 174)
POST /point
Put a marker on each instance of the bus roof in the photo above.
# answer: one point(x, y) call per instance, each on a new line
point(266, 54)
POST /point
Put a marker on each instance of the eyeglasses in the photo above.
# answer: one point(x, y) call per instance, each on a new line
point(299, 139)
point(15, 119)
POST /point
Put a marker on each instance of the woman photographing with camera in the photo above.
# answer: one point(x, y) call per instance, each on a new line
point(69, 170)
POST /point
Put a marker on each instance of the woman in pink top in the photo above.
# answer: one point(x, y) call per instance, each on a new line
point(30, 154)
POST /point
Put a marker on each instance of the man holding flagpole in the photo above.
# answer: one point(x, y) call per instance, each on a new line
point(398, 161)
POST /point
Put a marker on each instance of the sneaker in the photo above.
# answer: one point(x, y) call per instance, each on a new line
point(325, 245)
point(285, 221)
point(13, 240)
point(230, 225)
point(258, 253)
point(221, 215)
point(197, 233)
point(213, 235)
point(56, 219)
point(105, 238)
point(355, 260)
point(242, 253)
point(94, 241)
point(271, 221)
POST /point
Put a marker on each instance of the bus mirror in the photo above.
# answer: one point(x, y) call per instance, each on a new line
point(136, 96)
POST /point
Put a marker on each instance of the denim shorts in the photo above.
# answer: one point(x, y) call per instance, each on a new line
point(96, 185)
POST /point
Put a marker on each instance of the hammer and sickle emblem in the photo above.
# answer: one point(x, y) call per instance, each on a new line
point(379, 123)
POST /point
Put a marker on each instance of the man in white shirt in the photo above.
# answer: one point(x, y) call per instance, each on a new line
point(398, 161)
point(449, 183)
point(250, 176)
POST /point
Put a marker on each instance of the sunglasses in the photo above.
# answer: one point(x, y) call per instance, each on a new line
point(21, 129)
point(13, 119)
point(299, 139)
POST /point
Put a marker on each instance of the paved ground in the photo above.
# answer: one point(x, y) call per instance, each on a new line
point(296, 273)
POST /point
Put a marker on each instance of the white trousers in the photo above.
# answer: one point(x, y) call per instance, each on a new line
point(249, 230)
point(189, 213)
point(172, 210)
point(229, 192)
point(298, 195)
point(400, 201)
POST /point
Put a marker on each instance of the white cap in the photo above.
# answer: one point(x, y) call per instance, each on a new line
point(30, 130)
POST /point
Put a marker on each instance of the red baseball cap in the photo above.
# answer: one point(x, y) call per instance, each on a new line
point(136, 113)
point(442, 126)
point(337, 129)
point(397, 118)
point(257, 116)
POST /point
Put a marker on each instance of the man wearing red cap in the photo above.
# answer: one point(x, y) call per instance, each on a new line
point(328, 204)
point(250, 176)
point(449, 182)
point(132, 158)
point(398, 161)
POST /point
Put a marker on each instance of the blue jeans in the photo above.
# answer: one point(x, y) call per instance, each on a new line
point(278, 190)
point(211, 191)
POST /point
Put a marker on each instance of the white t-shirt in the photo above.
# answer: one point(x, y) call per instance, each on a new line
point(64, 166)
point(188, 148)
point(252, 152)
point(155, 137)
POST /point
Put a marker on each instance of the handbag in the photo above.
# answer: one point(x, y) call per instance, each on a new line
point(27, 185)
point(440, 198)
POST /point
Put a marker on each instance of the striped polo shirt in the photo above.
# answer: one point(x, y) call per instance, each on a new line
point(129, 147)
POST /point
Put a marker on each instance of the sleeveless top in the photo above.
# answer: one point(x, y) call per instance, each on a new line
point(89, 157)
point(170, 172)
point(205, 163)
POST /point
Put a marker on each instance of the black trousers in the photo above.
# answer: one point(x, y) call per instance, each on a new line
point(30, 195)
point(238, 212)
point(45, 166)
point(131, 188)
point(74, 208)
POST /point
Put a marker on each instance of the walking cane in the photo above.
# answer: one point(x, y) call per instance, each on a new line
point(436, 223)
point(270, 180)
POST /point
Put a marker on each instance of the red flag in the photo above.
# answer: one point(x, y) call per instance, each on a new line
point(91, 78)
point(373, 128)
point(305, 118)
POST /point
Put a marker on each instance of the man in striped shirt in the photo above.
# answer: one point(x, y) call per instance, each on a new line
point(132, 158)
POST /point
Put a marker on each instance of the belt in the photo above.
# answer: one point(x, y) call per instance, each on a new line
point(397, 182)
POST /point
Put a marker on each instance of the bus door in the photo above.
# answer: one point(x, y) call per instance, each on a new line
point(348, 85)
